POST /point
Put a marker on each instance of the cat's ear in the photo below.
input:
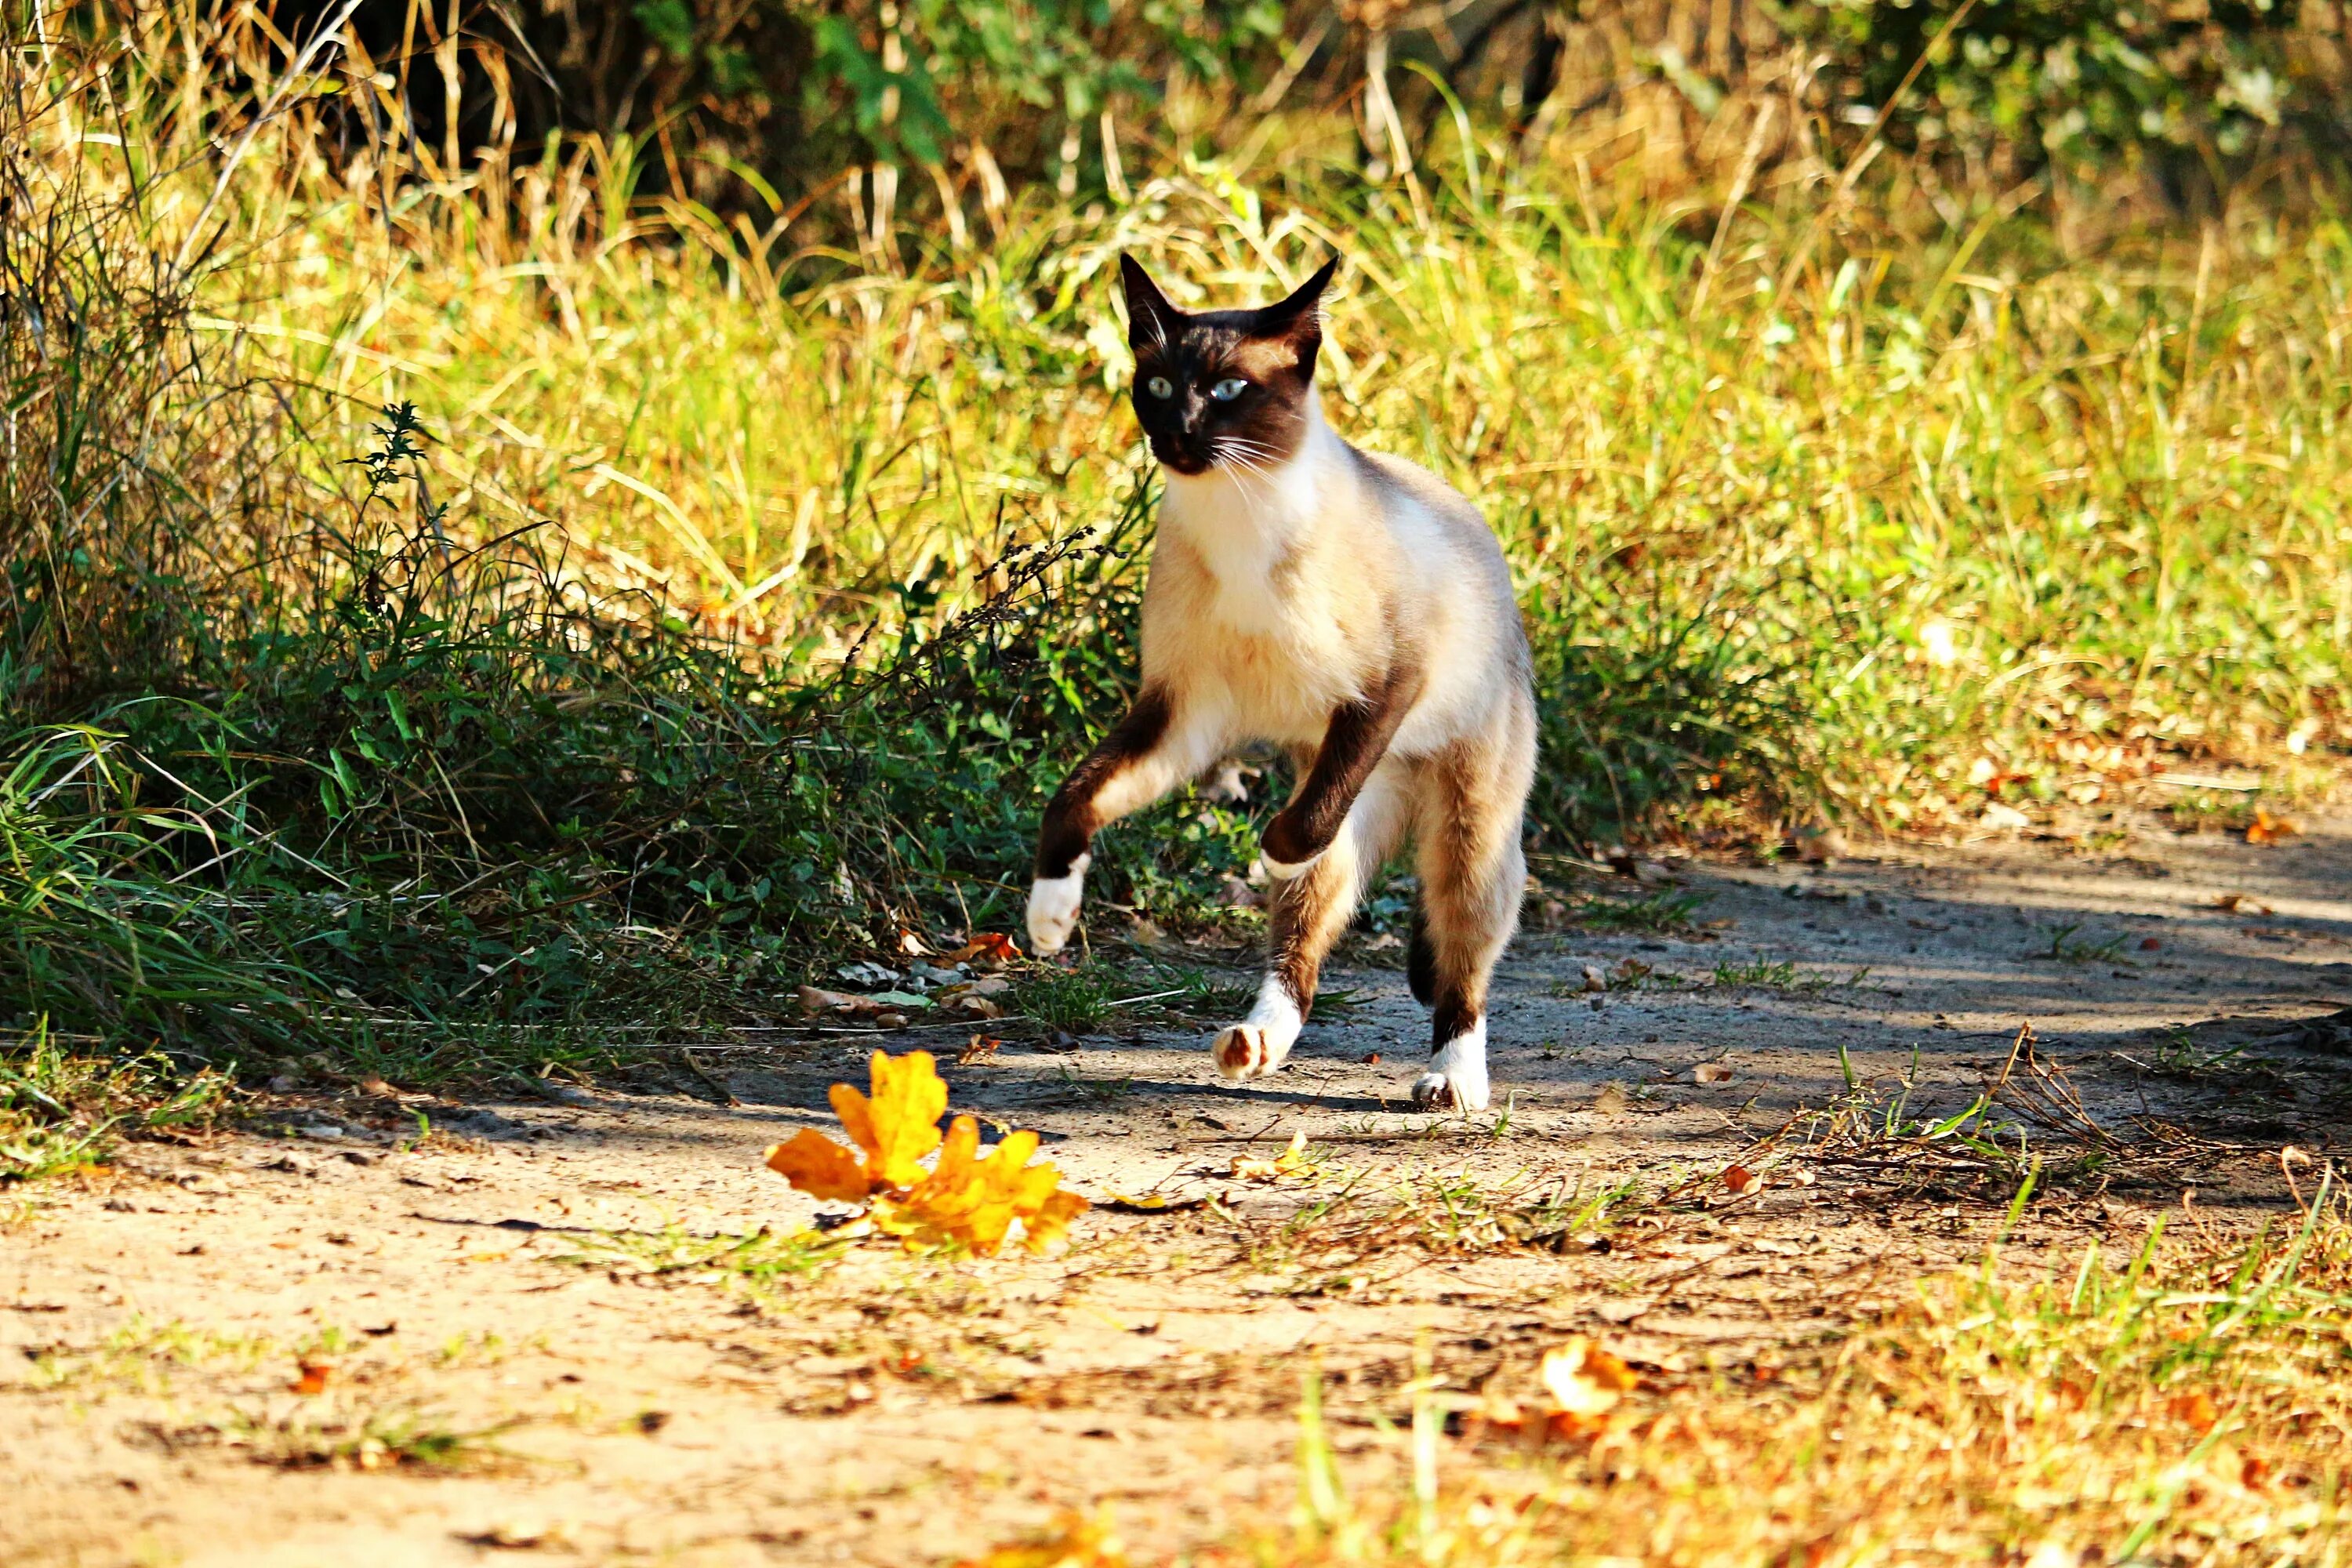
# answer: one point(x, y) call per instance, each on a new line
point(1296, 322)
point(1298, 318)
point(1150, 319)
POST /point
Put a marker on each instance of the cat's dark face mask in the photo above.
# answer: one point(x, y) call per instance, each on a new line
point(1226, 389)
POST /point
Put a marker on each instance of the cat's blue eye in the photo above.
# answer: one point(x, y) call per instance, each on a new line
point(1225, 391)
point(1159, 386)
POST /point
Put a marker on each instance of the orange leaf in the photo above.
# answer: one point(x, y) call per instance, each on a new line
point(1075, 1542)
point(1583, 1380)
point(2268, 829)
point(316, 1374)
point(2195, 1409)
point(976, 1202)
point(1288, 1162)
point(819, 1167)
point(986, 944)
point(900, 1123)
point(1739, 1178)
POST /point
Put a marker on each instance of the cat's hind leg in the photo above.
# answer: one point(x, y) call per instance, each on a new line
point(1308, 914)
point(1473, 871)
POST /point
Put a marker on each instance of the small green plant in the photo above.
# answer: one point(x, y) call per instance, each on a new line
point(2179, 1056)
point(62, 1111)
point(141, 1356)
point(1666, 911)
point(320, 1436)
point(2065, 947)
point(762, 1261)
point(2211, 811)
point(1764, 974)
point(1078, 1000)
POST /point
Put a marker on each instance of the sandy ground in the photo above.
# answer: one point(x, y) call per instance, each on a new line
point(495, 1299)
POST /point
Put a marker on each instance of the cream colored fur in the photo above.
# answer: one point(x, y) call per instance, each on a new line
point(1278, 594)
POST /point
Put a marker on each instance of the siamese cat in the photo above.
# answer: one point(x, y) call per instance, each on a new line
point(1347, 606)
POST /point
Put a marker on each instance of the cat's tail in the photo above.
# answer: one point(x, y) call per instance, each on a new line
point(1421, 961)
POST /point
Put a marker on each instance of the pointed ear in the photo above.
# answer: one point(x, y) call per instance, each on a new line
point(1299, 317)
point(1150, 319)
point(1298, 320)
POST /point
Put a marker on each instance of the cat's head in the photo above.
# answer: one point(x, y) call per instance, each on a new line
point(1231, 389)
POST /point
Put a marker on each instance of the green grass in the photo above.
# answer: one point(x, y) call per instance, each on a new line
point(63, 1109)
point(2066, 947)
point(2162, 1403)
point(762, 1262)
point(1660, 912)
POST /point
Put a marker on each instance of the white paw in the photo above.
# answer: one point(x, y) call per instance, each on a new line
point(1054, 907)
point(1255, 1048)
point(1456, 1078)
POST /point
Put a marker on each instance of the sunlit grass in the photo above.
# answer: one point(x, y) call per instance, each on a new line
point(2170, 1404)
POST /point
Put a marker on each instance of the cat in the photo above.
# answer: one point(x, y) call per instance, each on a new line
point(1347, 606)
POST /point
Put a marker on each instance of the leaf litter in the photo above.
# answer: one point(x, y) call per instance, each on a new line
point(964, 1198)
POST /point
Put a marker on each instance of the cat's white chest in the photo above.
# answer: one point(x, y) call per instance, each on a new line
point(1245, 529)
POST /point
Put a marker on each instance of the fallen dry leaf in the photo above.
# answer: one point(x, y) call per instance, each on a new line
point(1149, 1203)
point(986, 946)
point(815, 999)
point(900, 1123)
point(1610, 1102)
point(2195, 1409)
point(1074, 1541)
point(1283, 1164)
point(2268, 829)
point(980, 1048)
point(1740, 1178)
point(1583, 1380)
point(2241, 904)
point(976, 1201)
point(820, 1167)
point(1711, 1072)
point(316, 1374)
point(1581, 1383)
point(962, 1199)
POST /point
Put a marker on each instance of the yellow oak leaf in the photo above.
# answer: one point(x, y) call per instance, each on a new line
point(976, 1201)
point(1585, 1382)
point(900, 1123)
point(1291, 1161)
point(819, 1167)
point(1075, 1542)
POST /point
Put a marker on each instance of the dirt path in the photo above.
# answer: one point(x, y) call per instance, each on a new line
point(525, 1345)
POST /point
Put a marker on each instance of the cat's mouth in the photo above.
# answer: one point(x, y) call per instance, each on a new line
point(1181, 459)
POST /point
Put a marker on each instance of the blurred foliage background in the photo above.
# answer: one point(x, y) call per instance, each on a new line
point(2166, 102)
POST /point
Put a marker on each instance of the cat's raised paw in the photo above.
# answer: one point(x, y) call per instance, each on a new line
point(1247, 1050)
point(1258, 1046)
point(1054, 909)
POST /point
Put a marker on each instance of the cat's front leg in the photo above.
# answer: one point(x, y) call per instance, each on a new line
point(1354, 742)
point(1319, 848)
point(1155, 747)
